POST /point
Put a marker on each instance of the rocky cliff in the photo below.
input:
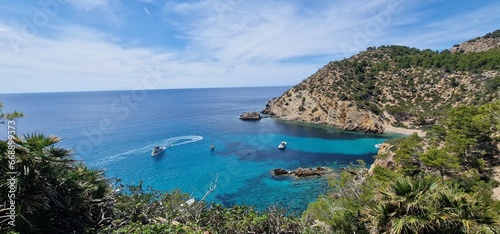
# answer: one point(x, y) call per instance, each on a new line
point(310, 107)
point(395, 85)
point(384, 158)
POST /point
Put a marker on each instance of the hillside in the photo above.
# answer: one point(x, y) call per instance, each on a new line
point(395, 85)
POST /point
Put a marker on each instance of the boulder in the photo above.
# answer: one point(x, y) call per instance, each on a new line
point(301, 172)
point(279, 171)
point(429, 120)
point(250, 116)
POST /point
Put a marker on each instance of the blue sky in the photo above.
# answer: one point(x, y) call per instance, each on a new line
point(81, 45)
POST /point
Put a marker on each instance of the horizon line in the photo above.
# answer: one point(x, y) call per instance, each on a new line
point(159, 89)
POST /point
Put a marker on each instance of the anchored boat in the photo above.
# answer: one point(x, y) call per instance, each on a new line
point(282, 145)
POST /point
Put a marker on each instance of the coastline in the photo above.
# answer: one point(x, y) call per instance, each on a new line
point(404, 131)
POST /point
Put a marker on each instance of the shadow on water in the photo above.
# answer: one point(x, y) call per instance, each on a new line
point(266, 190)
point(300, 158)
point(311, 130)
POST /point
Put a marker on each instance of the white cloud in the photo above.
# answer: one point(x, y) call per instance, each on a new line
point(442, 34)
point(267, 31)
point(81, 59)
point(85, 59)
point(263, 31)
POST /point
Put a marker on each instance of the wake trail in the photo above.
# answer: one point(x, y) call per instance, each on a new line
point(170, 142)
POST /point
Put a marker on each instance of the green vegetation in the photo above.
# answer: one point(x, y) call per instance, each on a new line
point(54, 192)
point(441, 183)
point(409, 84)
point(150, 211)
point(427, 205)
point(406, 57)
point(9, 116)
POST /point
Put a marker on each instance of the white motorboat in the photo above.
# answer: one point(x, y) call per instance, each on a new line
point(282, 145)
point(158, 150)
point(378, 146)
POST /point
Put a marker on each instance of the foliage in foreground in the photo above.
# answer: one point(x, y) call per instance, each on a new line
point(429, 205)
point(441, 183)
point(402, 204)
point(54, 192)
point(150, 211)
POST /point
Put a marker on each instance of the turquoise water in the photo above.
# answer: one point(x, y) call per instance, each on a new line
point(115, 131)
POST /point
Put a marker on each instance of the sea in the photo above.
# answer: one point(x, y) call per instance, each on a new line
point(115, 131)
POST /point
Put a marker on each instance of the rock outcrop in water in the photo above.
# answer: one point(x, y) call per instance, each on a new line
point(303, 172)
point(279, 171)
point(250, 116)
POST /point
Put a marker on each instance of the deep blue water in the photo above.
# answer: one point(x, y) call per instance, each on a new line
point(116, 130)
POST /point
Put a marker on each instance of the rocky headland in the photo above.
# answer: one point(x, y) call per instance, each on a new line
point(394, 86)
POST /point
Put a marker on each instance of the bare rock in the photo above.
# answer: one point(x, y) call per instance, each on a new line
point(314, 108)
point(385, 158)
point(476, 45)
point(279, 171)
point(429, 120)
point(303, 172)
point(250, 116)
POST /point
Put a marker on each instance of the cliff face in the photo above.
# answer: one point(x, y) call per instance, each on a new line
point(396, 85)
point(387, 161)
point(308, 107)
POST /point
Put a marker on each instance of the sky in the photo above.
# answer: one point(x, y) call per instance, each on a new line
point(93, 45)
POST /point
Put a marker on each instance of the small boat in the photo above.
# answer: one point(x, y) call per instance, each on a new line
point(282, 145)
point(378, 145)
point(157, 150)
point(212, 147)
point(190, 201)
point(187, 203)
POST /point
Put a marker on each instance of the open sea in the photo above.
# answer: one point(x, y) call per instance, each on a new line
point(116, 130)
